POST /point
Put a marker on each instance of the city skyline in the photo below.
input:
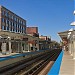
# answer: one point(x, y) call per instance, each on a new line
point(49, 16)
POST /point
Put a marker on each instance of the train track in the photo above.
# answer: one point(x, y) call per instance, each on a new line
point(37, 68)
point(31, 66)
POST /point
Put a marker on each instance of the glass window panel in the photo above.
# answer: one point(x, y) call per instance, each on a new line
point(2, 27)
point(2, 19)
point(6, 21)
point(3, 12)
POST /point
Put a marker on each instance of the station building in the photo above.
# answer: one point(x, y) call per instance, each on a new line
point(68, 38)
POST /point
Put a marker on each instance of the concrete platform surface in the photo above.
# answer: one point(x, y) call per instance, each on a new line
point(67, 65)
point(1, 55)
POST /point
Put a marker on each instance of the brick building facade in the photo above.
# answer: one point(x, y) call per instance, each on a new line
point(32, 31)
point(9, 21)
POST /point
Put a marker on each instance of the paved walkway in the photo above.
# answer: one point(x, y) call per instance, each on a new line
point(67, 65)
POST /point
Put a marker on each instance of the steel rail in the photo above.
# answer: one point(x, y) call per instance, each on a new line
point(39, 67)
point(2, 69)
point(45, 58)
point(18, 68)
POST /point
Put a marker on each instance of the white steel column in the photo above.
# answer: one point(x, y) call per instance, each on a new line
point(74, 51)
point(18, 47)
point(37, 46)
point(28, 47)
point(10, 50)
point(3, 48)
point(70, 47)
point(21, 47)
point(24, 46)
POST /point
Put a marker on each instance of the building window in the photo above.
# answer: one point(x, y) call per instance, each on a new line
point(14, 18)
point(6, 13)
point(2, 27)
point(7, 28)
point(9, 15)
point(15, 27)
point(23, 29)
point(3, 20)
point(3, 12)
point(17, 20)
point(9, 22)
point(6, 21)
point(21, 22)
point(11, 27)
point(20, 28)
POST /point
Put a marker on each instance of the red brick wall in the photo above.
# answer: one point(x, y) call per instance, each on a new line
point(31, 30)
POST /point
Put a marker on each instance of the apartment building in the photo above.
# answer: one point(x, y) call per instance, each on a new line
point(9, 21)
point(12, 32)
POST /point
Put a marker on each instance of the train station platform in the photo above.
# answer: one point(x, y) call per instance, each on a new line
point(64, 65)
point(67, 65)
point(1, 55)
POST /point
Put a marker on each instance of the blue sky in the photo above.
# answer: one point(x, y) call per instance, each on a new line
point(50, 16)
